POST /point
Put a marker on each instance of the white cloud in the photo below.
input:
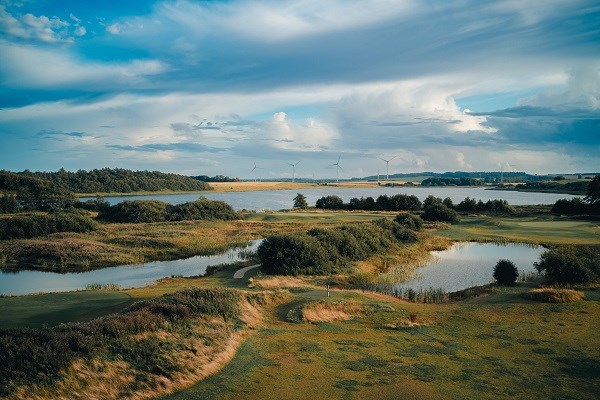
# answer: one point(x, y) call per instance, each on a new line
point(33, 67)
point(41, 28)
point(581, 90)
point(279, 20)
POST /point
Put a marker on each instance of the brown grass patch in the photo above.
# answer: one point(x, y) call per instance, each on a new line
point(551, 295)
point(278, 282)
point(328, 311)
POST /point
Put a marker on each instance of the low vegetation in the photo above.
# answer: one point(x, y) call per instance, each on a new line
point(34, 225)
point(149, 348)
point(325, 311)
point(570, 264)
point(327, 251)
point(505, 273)
point(158, 211)
point(553, 295)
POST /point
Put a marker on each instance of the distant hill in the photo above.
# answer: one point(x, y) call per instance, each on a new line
point(108, 180)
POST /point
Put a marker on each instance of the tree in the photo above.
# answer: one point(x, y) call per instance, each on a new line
point(505, 273)
point(593, 193)
point(332, 202)
point(439, 212)
point(568, 265)
point(300, 201)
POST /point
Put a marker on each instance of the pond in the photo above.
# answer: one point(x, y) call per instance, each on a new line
point(468, 264)
point(126, 276)
point(283, 199)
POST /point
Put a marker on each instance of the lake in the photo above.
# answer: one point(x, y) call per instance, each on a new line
point(283, 199)
point(126, 276)
point(468, 264)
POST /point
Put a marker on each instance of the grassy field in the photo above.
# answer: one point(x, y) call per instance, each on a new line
point(547, 230)
point(495, 346)
point(499, 346)
point(51, 309)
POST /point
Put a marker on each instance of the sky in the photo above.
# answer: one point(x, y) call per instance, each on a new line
point(217, 87)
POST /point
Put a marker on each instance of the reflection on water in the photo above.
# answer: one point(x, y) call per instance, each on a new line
point(468, 264)
point(126, 276)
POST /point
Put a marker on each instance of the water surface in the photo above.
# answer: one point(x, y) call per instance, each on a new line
point(283, 199)
point(468, 264)
point(126, 276)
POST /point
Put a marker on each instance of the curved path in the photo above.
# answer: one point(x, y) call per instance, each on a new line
point(240, 272)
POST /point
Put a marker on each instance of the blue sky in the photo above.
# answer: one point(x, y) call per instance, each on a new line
point(212, 87)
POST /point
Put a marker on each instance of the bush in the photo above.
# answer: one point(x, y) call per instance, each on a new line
point(137, 211)
point(29, 226)
point(410, 221)
point(401, 233)
point(569, 265)
point(294, 255)
point(157, 211)
point(202, 209)
point(439, 212)
point(505, 273)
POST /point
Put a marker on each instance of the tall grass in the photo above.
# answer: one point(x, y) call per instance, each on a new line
point(103, 286)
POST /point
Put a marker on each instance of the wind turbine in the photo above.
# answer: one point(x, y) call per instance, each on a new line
point(387, 167)
point(337, 168)
point(294, 170)
point(254, 170)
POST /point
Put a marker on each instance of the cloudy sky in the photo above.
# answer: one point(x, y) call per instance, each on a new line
point(212, 87)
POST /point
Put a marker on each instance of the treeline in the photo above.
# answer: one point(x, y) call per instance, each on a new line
point(434, 208)
point(216, 178)
point(20, 192)
point(590, 205)
point(325, 251)
point(577, 187)
point(39, 357)
point(29, 226)
point(575, 206)
point(463, 181)
point(570, 264)
point(158, 211)
point(117, 180)
point(485, 177)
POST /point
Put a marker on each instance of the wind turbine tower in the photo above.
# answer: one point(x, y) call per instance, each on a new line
point(387, 167)
point(294, 170)
point(337, 169)
point(254, 170)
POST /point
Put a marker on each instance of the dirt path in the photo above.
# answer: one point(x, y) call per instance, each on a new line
point(240, 272)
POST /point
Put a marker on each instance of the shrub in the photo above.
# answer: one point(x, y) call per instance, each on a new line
point(157, 211)
point(338, 243)
point(400, 232)
point(294, 255)
point(202, 209)
point(410, 221)
point(568, 265)
point(137, 211)
point(29, 226)
point(505, 273)
point(439, 212)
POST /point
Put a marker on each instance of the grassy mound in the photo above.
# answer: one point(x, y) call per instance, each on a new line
point(326, 311)
point(150, 348)
point(549, 295)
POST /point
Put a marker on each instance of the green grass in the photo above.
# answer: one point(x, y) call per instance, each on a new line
point(536, 230)
point(499, 346)
point(51, 309)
